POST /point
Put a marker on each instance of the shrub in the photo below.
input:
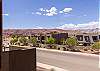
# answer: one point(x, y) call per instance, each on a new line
point(62, 41)
point(52, 69)
point(14, 40)
point(96, 45)
point(50, 40)
point(71, 42)
point(14, 36)
point(33, 40)
point(23, 40)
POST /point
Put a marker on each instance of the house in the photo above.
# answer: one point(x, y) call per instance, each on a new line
point(87, 38)
point(58, 34)
point(60, 37)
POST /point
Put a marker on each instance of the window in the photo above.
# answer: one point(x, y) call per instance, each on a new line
point(95, 38)
point(79, 37)
point(87, 39)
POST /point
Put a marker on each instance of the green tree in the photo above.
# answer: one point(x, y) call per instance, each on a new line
point(11, 41)
point(14, 40)
point(33, 40)
point(71, 42)
point(54, 32)
point(14, 36)
point(62, 41)
point(50, 40)
point(96, 45)
point(23, 40)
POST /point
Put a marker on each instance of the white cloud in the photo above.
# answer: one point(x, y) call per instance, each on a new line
point(49, 14)
point(41, 9)
point(66, 10)
point(38, 28)
point(5, 14)
point(44, 14)
point(47, 11)
point(67, 26)
point(61, 12)
point(52, 11)
point(38, 13)
point(89, 25)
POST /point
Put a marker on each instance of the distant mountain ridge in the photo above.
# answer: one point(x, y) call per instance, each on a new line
point(46, 31)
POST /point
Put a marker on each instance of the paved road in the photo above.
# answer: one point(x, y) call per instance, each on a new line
point(70, 62)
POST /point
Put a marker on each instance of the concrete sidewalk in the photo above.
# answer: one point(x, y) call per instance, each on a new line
point(46, 67)
point(68, 61)
point(68, 52)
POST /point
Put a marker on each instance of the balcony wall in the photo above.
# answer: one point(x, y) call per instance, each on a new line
point(19, 60)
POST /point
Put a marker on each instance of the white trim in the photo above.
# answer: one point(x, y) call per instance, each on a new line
point(49, 67)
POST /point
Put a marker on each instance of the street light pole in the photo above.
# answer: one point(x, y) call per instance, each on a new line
point(0, 31)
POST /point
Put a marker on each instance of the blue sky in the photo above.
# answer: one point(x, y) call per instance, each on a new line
point(63, 14)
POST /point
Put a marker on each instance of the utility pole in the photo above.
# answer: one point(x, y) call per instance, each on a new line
point(0, 31)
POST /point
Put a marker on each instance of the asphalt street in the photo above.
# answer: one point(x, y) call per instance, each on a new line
point(70, 62)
